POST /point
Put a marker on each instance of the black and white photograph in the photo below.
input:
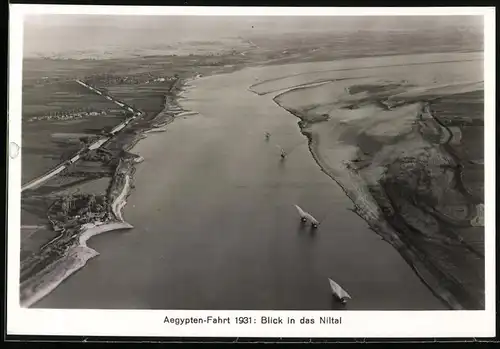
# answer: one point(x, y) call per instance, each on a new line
point(228, 162)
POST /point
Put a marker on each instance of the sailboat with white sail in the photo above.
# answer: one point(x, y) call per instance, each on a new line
point(339, 292)
point(307, 217)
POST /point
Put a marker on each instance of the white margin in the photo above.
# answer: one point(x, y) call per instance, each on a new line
point(150, 323)
point(489, 154)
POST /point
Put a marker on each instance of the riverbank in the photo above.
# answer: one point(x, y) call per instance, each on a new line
point(215, 173)
point(68, 252)
point(366, 207)
point(75, 258)
point(379, 157)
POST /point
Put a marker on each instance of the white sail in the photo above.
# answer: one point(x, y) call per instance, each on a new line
point(338, 291)
point(288, 150)
point(306, 215)
point(312, 219)
point(302, 213)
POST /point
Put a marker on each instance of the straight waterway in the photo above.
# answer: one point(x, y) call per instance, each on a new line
point(215, 226)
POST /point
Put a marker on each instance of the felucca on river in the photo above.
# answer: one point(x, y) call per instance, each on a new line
point(307, 217)
point(284, 152)
point(339, 292)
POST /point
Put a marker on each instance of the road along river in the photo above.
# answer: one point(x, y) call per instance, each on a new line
point(215, 226)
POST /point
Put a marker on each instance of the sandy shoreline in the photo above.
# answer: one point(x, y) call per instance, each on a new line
point(76, 257)
point(355, 189)
point(336, 166)
point(349, 181)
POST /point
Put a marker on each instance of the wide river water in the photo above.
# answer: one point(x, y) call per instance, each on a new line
point(215, 226)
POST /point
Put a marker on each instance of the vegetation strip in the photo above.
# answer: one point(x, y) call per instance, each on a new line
point(79, 217)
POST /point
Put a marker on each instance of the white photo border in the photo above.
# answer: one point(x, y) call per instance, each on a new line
point(150, 323)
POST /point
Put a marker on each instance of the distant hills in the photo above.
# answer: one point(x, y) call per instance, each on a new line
point(101, 37)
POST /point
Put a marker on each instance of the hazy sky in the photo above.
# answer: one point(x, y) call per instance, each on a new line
point(60, 33)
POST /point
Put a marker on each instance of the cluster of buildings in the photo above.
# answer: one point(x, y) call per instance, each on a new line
point(94, 155)
point(107, 79)
point(46, 80)
point(90, 217)
point(78, 210)
point(67, 115)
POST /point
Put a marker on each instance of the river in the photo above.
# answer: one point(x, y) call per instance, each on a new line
point(215, 226)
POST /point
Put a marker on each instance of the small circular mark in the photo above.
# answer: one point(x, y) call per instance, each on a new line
point(13, 150)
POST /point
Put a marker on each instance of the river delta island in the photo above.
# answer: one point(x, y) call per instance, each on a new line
point(161, 171)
